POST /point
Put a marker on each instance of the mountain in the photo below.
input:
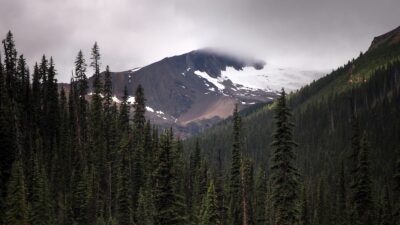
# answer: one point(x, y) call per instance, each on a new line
point(369, 86)
point(197, 89)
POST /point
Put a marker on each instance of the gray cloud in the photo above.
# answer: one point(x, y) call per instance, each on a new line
point(307, 34)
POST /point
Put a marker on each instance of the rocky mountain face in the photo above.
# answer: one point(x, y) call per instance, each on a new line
point(390, 38)
point(197, 89)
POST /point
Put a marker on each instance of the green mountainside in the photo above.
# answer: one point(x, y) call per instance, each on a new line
point(322, 112)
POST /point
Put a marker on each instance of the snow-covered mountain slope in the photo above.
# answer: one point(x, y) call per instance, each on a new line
point(204, 85)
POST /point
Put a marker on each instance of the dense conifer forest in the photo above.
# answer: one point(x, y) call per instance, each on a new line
point(327, 154)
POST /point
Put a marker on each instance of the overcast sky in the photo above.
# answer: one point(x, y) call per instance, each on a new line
point(305, 34)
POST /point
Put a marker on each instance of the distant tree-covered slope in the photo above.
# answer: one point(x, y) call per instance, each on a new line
point(368, 85)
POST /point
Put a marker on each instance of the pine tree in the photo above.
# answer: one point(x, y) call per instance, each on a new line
point(164, 197)
point(353, 165)
point(41, 207)
point(124, 185)
point(81, 91)
point(145, 211)
point(124, 110)
point(363, 193)
point(284, 174)
point(81, 196)
point(209, 211)
point(260, 202)
point(247, 191)
point(51, 119)
point(139, 119)
point(341, 198)
point(16, 212)
point(10, 63)
point(235, 209)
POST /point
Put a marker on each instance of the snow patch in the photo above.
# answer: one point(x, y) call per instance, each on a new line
point(269, 78)
point(215, 81)
point(148, 108)
point(135, 69)
point(115, 99)
point(131, 99)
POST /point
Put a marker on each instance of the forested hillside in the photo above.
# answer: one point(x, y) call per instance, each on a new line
point(360, 100)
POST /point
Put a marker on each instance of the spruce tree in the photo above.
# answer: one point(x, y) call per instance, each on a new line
point(16, 212)
point(124, 110)
point(235, 201)
point(247, 191)
point(209, 212)
point(41, 209)
point(165, 200)
point(284, 174)
point(10, 64)
point(260, 197)
point(353, 165)
point(124, 185)
point(81, 103)
point(139, 108)
point(363, 193)
point(145, 211)
point(341, 198)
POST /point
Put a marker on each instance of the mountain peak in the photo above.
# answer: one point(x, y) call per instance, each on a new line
point(390, 38)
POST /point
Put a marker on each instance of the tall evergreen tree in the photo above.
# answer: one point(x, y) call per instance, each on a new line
point(81, 91)
point(16, 206)
point(124, 186)
point(260, 197)
point(146, 210)
point(284, 174)
point(209, 211)
point(363, 193)
point(165, 199)
point(10, 64)
point(247, 191)
point(353, 165)
point(235, 209)
point(124, 110)
point(41, 210)
point(341, 198)
point(139, 119)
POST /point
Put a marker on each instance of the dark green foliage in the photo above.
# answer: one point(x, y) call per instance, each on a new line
point(304, 218)
point(41, 209)
point(209, 212)
point(139, 107)
point(164, 196)
point(364, 205)
point(145, 211)
point(124, 186)
point(260, 196)
point(341, 198)
point(387, 214)
point(16, 212)
point(284, 174)
point(235, 200)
